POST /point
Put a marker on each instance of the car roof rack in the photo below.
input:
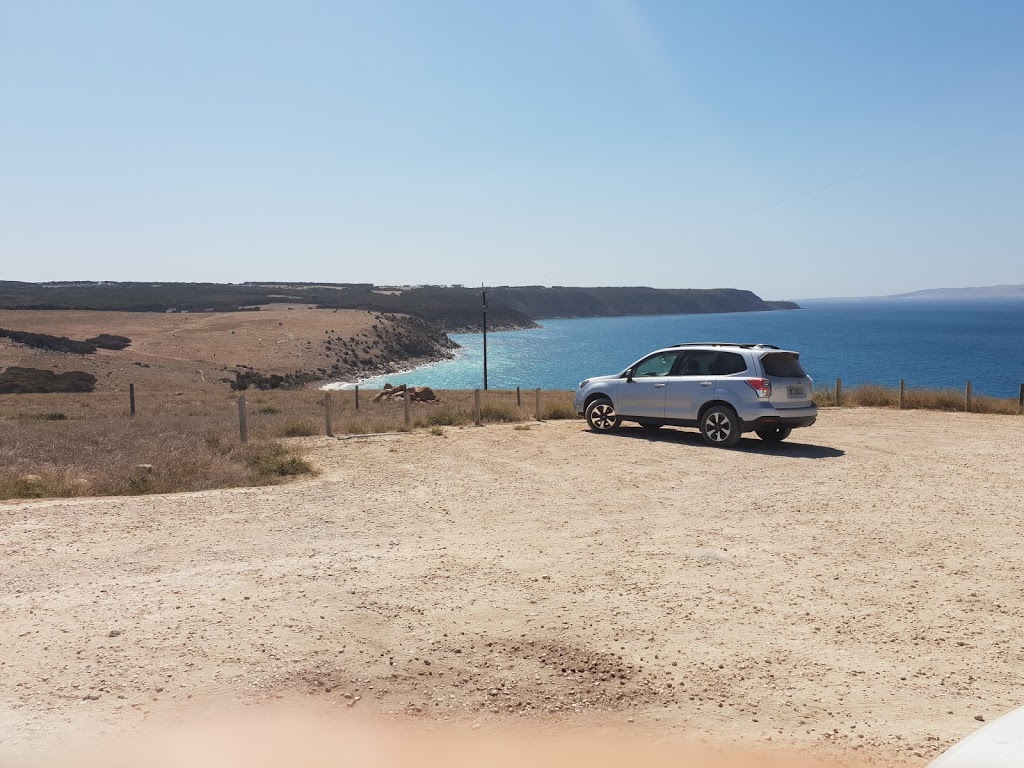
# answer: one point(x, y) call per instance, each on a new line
point(725, 344)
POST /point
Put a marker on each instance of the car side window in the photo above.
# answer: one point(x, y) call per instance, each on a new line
point(655, 365)
point(728, 362)
point(695, 362)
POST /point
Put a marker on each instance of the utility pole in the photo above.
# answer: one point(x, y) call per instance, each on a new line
point(484, 292)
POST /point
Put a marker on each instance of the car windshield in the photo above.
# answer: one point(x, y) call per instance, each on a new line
point(784, 365)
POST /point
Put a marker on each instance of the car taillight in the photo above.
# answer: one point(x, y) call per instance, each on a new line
point(763, 387)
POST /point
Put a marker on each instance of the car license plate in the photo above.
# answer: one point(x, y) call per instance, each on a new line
point(796, 391)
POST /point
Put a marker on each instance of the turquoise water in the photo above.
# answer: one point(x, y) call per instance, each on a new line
point(930, 344)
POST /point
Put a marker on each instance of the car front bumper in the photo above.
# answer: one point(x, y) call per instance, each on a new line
point(577, 402)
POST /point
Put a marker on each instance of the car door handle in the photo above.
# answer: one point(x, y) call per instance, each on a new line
point(706, 383)
point(658, 386)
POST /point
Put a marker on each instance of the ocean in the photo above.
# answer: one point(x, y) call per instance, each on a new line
point(930, 344)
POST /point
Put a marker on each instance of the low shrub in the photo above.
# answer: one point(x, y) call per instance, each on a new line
point(109, 341)
point(445, 417)
point(499, 412)
point(939, 399)
point(298, 429)
point(42, 417)
point(270, 461)
point(19, 381)
point(48, 342)
point(42, 486)
point(553, 411)
point(876, 396)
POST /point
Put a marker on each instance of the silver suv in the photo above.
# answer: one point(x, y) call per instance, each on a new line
point(721, 388)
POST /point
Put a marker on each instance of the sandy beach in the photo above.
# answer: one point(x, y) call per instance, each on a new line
point(852, 593)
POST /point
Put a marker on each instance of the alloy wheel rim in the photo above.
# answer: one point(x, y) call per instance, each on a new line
point(718, 427)
point(603, 416)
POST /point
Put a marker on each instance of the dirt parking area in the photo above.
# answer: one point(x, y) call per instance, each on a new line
point(855, 592)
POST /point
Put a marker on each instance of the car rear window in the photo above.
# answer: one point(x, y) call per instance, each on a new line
point(728, 362)
point(783, 366)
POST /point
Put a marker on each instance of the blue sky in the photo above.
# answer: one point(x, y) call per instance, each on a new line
point(609, 142)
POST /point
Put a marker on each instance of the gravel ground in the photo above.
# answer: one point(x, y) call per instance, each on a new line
point(855, 592)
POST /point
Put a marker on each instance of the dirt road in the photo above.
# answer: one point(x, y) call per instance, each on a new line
point(856, 591)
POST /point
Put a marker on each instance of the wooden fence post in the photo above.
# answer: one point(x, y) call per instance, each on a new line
point(537, 394)
point(476, 407)
point(327, 414)
point(243, 422)
point(519, 400)
point(131, 400)
point(968, 397)
point(357, 397)
point(839, 391)
point(408, 415)
point(903, 393)
point(1020, 401)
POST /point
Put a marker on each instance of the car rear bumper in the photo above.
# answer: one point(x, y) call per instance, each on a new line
point(790, 422)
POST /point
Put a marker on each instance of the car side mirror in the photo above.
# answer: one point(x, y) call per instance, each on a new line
point(629, 376)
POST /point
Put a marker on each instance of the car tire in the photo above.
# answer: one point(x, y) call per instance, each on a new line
point(601, 415)
point(651, 426)
point(774, 434)
point(720, 426)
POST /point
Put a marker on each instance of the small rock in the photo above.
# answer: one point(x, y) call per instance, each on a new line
point(144, 467)
point(114, 633)
point(629, 720)
point(980, 718)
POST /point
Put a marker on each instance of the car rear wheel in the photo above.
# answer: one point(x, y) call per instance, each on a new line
point(601, 415)
point(720, 427)
point(774, 434)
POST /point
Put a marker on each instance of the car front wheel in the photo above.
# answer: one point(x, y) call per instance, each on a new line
point(601, 415)
point(720, 427)
point(774, 434)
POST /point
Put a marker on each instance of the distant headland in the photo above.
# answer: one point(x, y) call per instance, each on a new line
point(979, 292)
point(454, 308)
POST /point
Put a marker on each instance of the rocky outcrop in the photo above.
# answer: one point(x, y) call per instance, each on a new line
point(416, 394)
point(392, 343)
point(247, 378)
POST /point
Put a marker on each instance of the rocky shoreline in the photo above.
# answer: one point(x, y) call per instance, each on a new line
point(394, 344)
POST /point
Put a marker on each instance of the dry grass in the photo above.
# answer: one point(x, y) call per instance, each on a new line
point(85, 444)
point(455, 409)
point(93, 448)
point(876, 396)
